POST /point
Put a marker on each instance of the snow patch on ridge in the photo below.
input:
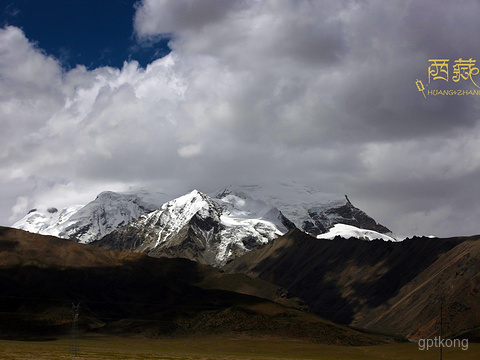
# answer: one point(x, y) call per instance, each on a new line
point(349, 231)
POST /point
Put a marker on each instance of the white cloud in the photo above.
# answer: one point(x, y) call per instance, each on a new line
point(446, 158)
point(190, 150)
point(318, 91)
point(19, 209)
point(164, 16)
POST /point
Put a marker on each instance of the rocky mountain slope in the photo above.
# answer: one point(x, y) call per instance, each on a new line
point(133, 294)
point(388, 286)
point(199, 228)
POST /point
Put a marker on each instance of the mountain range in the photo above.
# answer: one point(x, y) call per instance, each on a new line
point(211, 229)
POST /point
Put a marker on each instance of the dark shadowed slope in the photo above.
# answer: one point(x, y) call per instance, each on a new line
point(376, 284)
point(125, 293)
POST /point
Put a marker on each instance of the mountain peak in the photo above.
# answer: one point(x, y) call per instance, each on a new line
point(194, 195)
point(188, 205)
point(106, 194)
point(201, 228)
point(348, 201)
point(107, 212)
point(309, 209)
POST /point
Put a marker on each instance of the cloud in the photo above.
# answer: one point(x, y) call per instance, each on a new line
point(320, 92)
point(190, 150)
point(428, 160)
point(164, 16)
point(29, 87)
point(20, 208)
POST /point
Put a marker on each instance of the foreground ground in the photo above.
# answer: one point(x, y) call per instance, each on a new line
point(213, 348)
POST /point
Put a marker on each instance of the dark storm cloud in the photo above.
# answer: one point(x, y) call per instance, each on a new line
point(442, 28)
point(162, 16)
point(254, 91)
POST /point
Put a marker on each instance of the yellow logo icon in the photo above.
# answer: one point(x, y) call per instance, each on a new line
point(420, 87)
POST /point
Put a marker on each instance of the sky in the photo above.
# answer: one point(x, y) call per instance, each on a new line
point(173, 95)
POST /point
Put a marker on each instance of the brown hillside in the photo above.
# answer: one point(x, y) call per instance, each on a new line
point(23, 248)
point(454, 280)
point(133, 294)
point(381, 285)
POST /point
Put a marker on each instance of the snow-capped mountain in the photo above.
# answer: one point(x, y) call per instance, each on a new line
point(200, 228)
point(349, 231)
point(46, 221)
point(210, 229)
point(91, 222)
point(309, 209)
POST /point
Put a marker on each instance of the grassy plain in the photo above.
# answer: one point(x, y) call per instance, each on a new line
point(213, 348)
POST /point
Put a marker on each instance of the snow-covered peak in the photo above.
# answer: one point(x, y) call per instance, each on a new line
point(177, 213)
point(282, 193)
point(349, 231)
point(46, 220)
point(309, 209)
point(87, 223)
point(201, 228)
point(190, 203)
